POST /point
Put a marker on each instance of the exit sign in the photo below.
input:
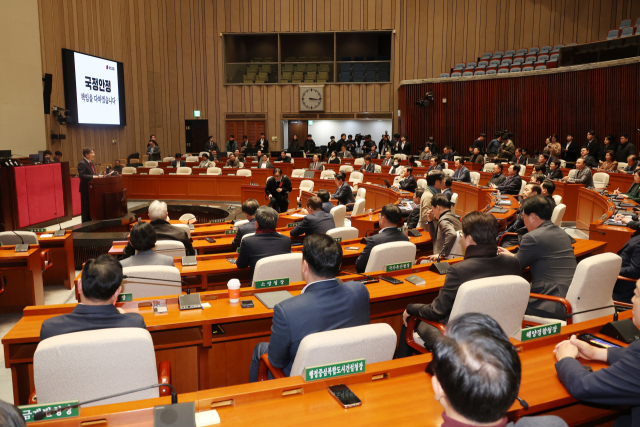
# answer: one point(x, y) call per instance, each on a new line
point(196, 113)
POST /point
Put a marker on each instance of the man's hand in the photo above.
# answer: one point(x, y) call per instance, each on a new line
point(566, 349)
point(616, 192)
point(575, 348)
point(566, 178)
point(503, 251)
point(279, 190)
point(405, 316)
point(430, 215)
point(433, 257)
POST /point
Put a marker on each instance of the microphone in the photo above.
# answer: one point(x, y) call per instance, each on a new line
point(41, 415)
point(162, 280)
point(368, 280)
point(21, 247)
point(233, 221)
point(60, 232)
point(187, 302)
point(523, 402)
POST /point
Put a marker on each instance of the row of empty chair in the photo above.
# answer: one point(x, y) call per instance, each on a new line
point(625, 29)
point(308, 58)
point(369, 72)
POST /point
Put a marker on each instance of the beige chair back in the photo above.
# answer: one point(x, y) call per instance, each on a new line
point(297, 173)
point(128, 170)
point(192, 159)
point(358, 207)
point(558, 214)
point(339, 213)
point(183, 170)
point(475, 177)
point(327, 174)
point(150, 164)
point(557, 198)
point(390, 253)
point(151, 286)
point(345, 233)
point(10, 238)
point(214, 171)
point(244, 172)
point(156, 171)
point(600, 180)
point(167, 159)
point(172, 248)
point(189, 218)
point(279, 267)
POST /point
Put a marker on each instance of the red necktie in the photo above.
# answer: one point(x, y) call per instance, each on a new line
point(92, 168)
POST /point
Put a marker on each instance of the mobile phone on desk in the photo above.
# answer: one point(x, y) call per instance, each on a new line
point(210, 239)
point(232, 260)
point(597, 342)
point(391, 280)
point(344, 396)
point(246, 303)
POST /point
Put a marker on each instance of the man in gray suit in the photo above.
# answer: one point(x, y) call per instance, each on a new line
point(583, 176)
point(317, 221)
point(546, 249)
point(264, 162)
point(462, 173)
point(323, 305)
point(315, 165)
point(143, 240)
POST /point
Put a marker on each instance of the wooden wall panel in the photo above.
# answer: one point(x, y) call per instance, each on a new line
point(173, 53)
point(532, 108)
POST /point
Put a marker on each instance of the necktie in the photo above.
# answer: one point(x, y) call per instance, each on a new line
point(92, 168)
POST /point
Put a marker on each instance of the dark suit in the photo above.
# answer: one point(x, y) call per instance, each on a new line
point(570, 154)
point(165, 231)
point(344, 194)
point(408, 184)
point(374, 154)
point(261, 245)
point(590, 161)
point(149, 257)
point(174, 163)
point(323, 306)
point(448, 192)
point(522, 160)
point(279, 200)
point(450, 156)
point(294, 145)
point(286, 159)
point(617, 385)
point(89, 318)
point(244, 145)
point(317, 223)
point(387, 162)
point(154, 153)
point(247, 228)
point(511, 185)
point(497, 179)
point(584, 176)
point(624, 151)
point(547, 251)
point(309, 145)
point(317, 166)
point(269, 165)
point(630, 254)
point(231, 146)
point(594, 147)
point(327, 206)
point(86, 171)
point(555, 174)
point(406, 149)
point(461, 175)
point(210, 146)
point(390, 234)
point(368, 168)
point(264, 147)
point(414, 217)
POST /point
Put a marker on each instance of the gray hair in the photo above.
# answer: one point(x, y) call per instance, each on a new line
point(267, 218)
point(157, 210)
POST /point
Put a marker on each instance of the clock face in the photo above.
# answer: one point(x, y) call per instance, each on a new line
point(311, 99)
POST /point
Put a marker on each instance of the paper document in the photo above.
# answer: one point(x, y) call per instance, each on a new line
point(207, 418)
point(298, 215)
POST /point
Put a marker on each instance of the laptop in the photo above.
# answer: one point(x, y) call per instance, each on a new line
point(386, 183)
point(309, 174)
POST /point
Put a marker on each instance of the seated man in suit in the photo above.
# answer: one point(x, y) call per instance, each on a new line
point(583, 176)
point(407, 181)
point(284, 158)
point(477, 157)
point(317, 220)
point(435, 184)
point(99, 288)
point(373, 152)
point(232, 162)
point(143, 239)
point(479, 232)
point(265, 243)
point(343, 192)
point(443, 226)
point(164, 230)
point(264, 162)
point(546, 249)
point(462, 173)
point(633, 193)
point(344, 154)
point(388, 161)
point(206, 163)
point(632, 164)
point(249, 208)
point(447, 191)
point(547, 190)
point(448, 154)
point(517, 226)
point(325, 196)
point(512, 184)
point(589, 160)
point(389, 218)
point(414, 216)
point(434, 164)
point(630, 254)
point(367, 166)
point(323, 305)
point(498, 177)
point(117, 167)
point(476, 375)
point(239, 156)
point(176, 162)
point(615, 385)
point(519, 158)
point(315, 165)
point(214, 156)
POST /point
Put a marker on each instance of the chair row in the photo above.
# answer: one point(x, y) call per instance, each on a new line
point(382, 66)
point(255, 68)
point(185, 170)
point(300, 77)
point(256, 78)
point(366, 58)
point(304, 68)
point(308, 58)
point(497, 70)
point(625, 32)
point(368, 76)
point(625, 23)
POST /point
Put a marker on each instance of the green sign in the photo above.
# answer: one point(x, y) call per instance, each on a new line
point(293, 224)
point(172, 173)
point(238, 250)
point(217, 221)
point(540, 331)
point(29, 411)
point(143, 173)
point(261, 284)
point(126, 297)
point(230, 231)
point(338, 239)
point(331, 370)
point(202, 173)
point(398, 266)
point(38, 230)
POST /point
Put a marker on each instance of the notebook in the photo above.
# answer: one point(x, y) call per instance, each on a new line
point(498, 210)
point(270, 299)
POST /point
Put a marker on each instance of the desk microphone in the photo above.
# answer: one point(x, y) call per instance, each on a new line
point(615, 314)
point(41, 415)
point(368, 280)
point(523, 402)
point(60, 232)
point(187, 302)
point(22, 247)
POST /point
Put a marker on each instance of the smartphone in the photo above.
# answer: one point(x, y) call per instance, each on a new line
point(246, 303)
point(344, 396)
point(210, 239)
point(391, 280)
point(597, 342)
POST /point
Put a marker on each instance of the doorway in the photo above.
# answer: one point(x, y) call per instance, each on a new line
point(197, 134)
point(297, 127)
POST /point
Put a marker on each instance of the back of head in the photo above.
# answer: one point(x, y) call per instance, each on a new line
point(392, 213)
point(157, 210)
point(267, 218)
point(433, 176)
point(10, 416)
point(448, 182)
point(323, 255)
point(539, 205)
point(441, 200)
point(418, 194)
point(250, 206)
point(339, 176)
point(477, 367)
point(314, 203)
point(516, 168)
point(481, 226)
point(101, 278)
point(143, 236)
point(324, 195)
point(548, 185)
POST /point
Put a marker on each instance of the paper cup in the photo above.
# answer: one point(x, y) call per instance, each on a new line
point(234, 290)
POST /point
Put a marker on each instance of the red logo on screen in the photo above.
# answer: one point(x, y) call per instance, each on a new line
point(107, 67)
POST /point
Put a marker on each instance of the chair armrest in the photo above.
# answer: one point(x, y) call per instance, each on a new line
point(423, 258)
point(45, 256)
point(411, 325)
point(623, 304)
point(32, 398)
point(505, 234)
point(164, 377)
point(567, 305)
point(628, 279)
point(265, 367)
point(119, 242)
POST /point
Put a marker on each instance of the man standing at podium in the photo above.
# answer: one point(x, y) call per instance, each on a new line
point(86, 171)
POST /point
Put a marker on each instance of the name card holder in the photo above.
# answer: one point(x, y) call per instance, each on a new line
point(273, 283)
point(332, 370)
